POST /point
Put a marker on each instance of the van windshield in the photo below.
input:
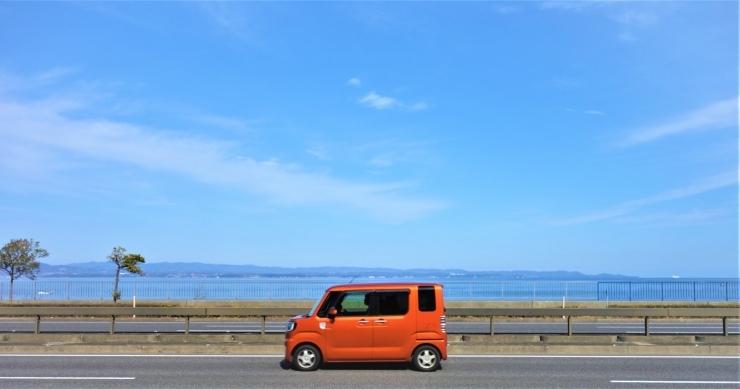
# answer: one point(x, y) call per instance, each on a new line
point(315, 306)
point(324, 307)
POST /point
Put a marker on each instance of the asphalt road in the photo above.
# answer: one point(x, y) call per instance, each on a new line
point(66, 371)
point(219, 326)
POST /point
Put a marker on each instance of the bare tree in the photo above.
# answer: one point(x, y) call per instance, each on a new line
point(18, 258)
point(128, 262)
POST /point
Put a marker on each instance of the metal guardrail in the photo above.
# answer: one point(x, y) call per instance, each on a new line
point(263, 313)
point(240, 289)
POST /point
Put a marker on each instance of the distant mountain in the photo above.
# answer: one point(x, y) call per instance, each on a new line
point(197, 269)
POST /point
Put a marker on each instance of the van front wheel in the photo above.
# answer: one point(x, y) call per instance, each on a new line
point(306, 358)
point(426, 358)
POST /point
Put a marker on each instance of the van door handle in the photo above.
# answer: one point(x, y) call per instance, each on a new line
point(380, 321)
point(363, 321)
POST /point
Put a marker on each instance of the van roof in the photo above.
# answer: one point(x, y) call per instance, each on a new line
point(382, 285)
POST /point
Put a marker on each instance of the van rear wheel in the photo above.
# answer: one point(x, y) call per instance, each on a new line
point(426, 358)
point(306, 358)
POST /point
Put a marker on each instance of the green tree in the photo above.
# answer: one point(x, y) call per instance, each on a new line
point(18, 258)
point(128, 262)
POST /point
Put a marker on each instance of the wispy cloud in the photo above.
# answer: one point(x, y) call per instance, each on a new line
point(722, 114)
point(376, 101)
point(628, 14)
point(711, 183)
point(232, 18)
point(505, 9)
point(354, 82)
point(57, 138)
point(588, 112)
point(10, 82)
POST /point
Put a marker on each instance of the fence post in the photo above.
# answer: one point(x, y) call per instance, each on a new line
point(725, 331)
point(647, 326)
point(598, 291)
point(566, 290)
point(187, 325)
point(38, 325)
point(491, 332)
point(534, 291)
point(502, 291)
point(662, 284)
point(269, 287)
point(727, 291)
point(168, 290)
point(101, 290)
point(570, 326)
point(630, 286)
point(112, 324)
point(67, 290)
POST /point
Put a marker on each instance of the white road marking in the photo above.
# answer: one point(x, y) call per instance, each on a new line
point(449, 356)
point(719, 327)
point(67, 378)
point(226, 331)
point(146, 355)
point(675, 382)
point(599, 356)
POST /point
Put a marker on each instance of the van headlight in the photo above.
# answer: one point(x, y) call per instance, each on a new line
point(290, 326)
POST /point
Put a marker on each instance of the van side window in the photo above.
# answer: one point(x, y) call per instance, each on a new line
point(327, 303)
point(427, 299)
point(393, 303)
point(353, 304)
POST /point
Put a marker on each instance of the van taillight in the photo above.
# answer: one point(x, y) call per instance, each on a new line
point(443, 323)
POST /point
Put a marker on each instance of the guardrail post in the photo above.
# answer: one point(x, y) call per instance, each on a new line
point(38, 325)
point(725, 331)
point(491, 333)
point(262, 329)
point(570, 327)
point(647, 326)
point(112, 324)
point(187, 325)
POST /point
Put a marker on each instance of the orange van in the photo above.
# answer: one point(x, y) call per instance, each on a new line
point(371, 322)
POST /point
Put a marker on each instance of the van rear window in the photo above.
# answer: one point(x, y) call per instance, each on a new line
point(427, 299)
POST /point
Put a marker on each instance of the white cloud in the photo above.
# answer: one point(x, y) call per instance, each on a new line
point(505, 9)
point(9, 82)
point(418, 107)
point(627, 36)
point(354, 82)
point(383, 160)
point(58, 139)
point(711, 183)
point(374, 100)
point(594, 112)
point(722, 114)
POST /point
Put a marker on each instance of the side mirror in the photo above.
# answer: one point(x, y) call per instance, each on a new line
point(332, 313)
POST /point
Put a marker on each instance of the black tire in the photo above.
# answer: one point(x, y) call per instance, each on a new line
point(426, 358)
point(306, 358)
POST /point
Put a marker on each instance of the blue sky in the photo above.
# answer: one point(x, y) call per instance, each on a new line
point(599, 137)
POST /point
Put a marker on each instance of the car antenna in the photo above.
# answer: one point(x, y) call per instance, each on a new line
point(353, 278)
